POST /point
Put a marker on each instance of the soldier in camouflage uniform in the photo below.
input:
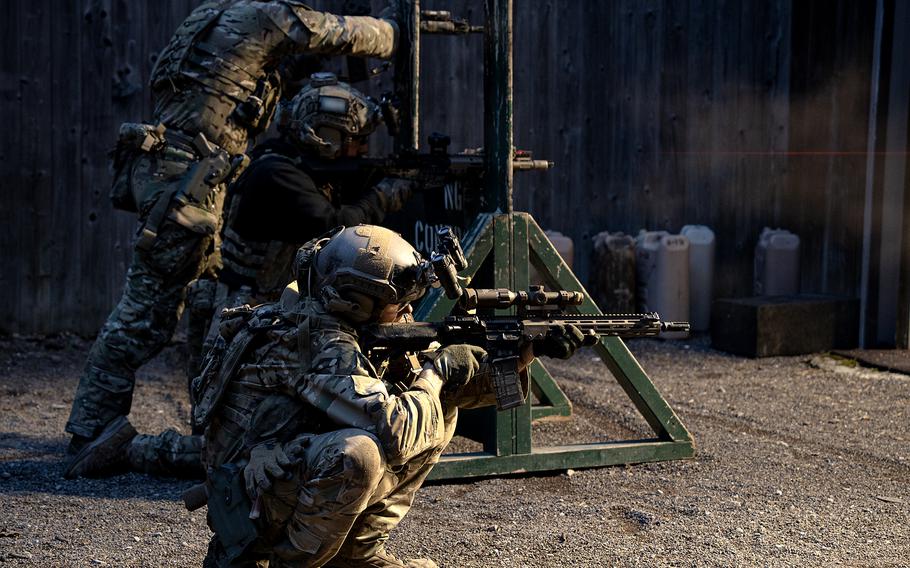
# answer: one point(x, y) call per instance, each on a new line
point(314, 452)
point(289, 195)
point(214, 85)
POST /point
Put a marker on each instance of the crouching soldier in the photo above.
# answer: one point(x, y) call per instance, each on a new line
point(290, 194)
point(314, 452)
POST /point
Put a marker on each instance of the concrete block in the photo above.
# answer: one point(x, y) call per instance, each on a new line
point(765, 326)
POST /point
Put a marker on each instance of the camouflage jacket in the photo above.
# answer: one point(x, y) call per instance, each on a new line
point(265, 396)
point(213, 76)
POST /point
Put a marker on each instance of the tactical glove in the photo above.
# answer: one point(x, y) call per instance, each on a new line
point(394, 192)
point(561, 342)
point(267, 462)
point(458, 364)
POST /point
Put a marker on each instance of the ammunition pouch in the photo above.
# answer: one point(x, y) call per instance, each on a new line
point(229, 510)
point(134, 139)
point(221, 363)
point(255, 113)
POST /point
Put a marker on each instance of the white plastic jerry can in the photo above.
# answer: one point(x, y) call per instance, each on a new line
point(701, 274)
point(776, 263)
point(662, 262)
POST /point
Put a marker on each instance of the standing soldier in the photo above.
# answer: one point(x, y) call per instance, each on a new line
point(285, 198)
point(214, 85)
point(290, 194)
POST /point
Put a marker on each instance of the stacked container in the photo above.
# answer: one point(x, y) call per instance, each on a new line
point(613, 273)
point(662, 263)
point(776, 263)
point(701, 274)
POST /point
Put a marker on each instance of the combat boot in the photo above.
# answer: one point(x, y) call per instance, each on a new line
point(76, 444)
point(104, 454)
point(381, 559)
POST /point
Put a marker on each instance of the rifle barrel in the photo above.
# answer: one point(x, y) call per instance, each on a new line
point(521, 165)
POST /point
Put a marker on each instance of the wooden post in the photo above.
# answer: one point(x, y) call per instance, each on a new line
point(497, 89)
point(407, 76)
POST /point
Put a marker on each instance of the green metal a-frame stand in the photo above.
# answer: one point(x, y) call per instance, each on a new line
point(511, 241)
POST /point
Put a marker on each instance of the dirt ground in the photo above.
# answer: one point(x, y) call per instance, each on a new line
point(802, 461)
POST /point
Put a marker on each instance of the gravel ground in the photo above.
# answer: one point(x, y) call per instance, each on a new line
point(802, 461)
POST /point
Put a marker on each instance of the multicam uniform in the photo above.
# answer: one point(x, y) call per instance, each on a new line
point(365, 447)
point(213, 86)
point(281, 201)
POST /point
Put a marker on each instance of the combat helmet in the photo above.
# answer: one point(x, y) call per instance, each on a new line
point(357, 271)
point(327, 115)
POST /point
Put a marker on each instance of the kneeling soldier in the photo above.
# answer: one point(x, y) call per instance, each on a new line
point(313, 455)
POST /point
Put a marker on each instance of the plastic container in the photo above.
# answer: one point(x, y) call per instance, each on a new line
point(776, 263)
point(563, 245)
point(613, 272)
point(662, 267)
point(701, 274)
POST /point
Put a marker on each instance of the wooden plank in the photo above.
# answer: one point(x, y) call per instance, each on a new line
point(497, 79)
point(37, 164)
point(647, 136)
point(66, 228)
point(99, 231)
point(12, 186)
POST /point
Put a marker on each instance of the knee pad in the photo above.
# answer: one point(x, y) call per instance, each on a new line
point(363, 458)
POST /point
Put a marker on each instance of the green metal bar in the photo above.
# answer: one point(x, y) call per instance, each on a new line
point(644, 395)
point(506, 436)
point(553, 402)
point(614, 353)
point(459, 466)
point(521, 416)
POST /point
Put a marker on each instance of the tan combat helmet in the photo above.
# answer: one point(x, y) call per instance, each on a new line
point(357, 271)
point(329, 116)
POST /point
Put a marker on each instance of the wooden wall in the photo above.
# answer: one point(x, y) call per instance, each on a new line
point(657, 114)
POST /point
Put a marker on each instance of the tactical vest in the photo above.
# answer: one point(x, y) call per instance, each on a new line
point(204, 55)
point(172, 59)
point(236, 414)
point(266, 267)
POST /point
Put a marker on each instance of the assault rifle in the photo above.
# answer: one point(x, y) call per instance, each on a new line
point(433, 169)
point(539, 313)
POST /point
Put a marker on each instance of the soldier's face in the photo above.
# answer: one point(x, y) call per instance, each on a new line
point(393, 313)
point(354, 147)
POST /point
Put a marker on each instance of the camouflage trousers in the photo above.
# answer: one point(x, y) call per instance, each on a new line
point(145, 318)
point(340, 505)
point(169, 454)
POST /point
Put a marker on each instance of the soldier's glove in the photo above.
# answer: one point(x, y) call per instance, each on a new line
point(393, 192)
point(267, 463)
point(561, 342)
point(458, 364)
